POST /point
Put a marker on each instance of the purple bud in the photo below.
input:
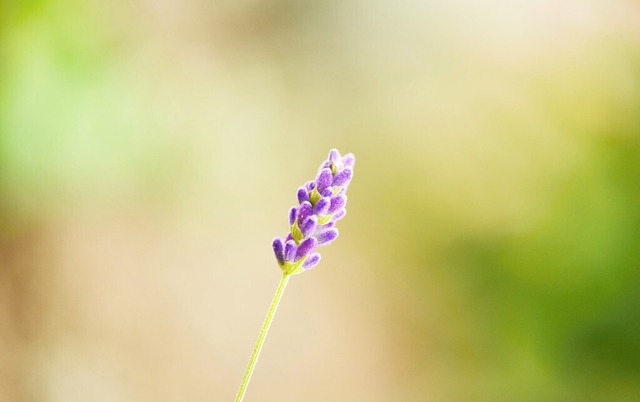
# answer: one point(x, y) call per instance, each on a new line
point(292, 215)
point(327, 192)
point(326, 237)
point(349, 160)
point(327, 226)
point(309, 226)
point(339, 215)
point(289, 237)
point(311, 262)
point(290, 251)
point(337, 202)
point(310, 185)
point(324, 179)
point(278, 250)
point(334, 155)
point(305, 248)
point(343, 178)
point(322, 206)
point(304, 211)
point(303, 195)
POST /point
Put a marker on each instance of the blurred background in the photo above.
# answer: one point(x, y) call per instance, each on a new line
point(150, 151)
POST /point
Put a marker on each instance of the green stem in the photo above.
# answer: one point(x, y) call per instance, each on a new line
point(261, 337)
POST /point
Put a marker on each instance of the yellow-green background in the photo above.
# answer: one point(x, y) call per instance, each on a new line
point(150, 150)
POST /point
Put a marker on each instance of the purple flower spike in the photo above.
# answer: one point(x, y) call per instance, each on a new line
point(322, 203)
point(324, 179)
point(343, 178)
point(303, 195)
point(293, 212)
point(337, 202)
point(278, 250)
point(305, 248)
point(304, 211)
point(327, 237)
point(290, 249)
point(322, 206)
point(311, 262)
point(309, 226)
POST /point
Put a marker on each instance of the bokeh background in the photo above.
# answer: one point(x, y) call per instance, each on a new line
point(150, 151)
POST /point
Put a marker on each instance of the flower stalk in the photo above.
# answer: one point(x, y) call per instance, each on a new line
point(261, 337)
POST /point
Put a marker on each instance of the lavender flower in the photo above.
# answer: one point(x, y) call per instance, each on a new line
point(322, 203)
